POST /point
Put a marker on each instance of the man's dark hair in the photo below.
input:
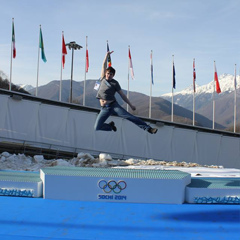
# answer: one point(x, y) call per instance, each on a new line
point(111, 70)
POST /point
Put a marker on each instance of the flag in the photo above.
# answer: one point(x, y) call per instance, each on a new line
point(130, 64)
point(64, 50)
point(174, 80)
point(13, 41)
point(109, 58)
point(151, 61)
point(235, 79)
point(194, 76)
point(218, 89)
point(41, 45)
point(87, 60)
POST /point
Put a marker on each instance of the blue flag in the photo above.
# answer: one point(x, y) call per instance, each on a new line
point(174, 80)
point(151, 68)
point(109, 58)
point(41, 45)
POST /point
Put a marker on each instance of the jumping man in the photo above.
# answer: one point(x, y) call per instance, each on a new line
point(109, 106)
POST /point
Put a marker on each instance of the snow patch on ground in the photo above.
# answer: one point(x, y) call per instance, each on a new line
point(21, 162)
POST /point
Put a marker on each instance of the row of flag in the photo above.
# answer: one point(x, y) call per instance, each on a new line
point(64, 52)
point(109, 62)
point(218, 89)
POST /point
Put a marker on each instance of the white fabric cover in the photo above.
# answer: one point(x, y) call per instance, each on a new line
point(62, 127)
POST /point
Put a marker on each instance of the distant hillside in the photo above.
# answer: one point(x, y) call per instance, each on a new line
point(4, 84)
point(224, 109)
point(224, 102)
point(161, 108)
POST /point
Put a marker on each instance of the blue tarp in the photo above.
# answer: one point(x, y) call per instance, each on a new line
point(37, 219)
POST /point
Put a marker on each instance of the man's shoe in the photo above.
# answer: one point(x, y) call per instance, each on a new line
point(152, 130)
point(112, 124)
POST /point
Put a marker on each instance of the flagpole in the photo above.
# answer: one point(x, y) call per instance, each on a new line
point(10, 84)
point(151, 82)
point(85, 75)
point(150, 101)
point(38, 62)
point(60, 88)
point(128, 78)
point(193, 108)
point(194, 91)
point(213, 126)
point(172, 89)
point(235, 100)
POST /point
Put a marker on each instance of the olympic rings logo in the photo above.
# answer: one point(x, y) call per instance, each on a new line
point(112, 185)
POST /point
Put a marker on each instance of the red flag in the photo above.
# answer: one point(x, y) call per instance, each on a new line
point(13, 41)
point(87, 61)
point(218, 89)
point(64, 50)
point(194, 76)
point(130, 64)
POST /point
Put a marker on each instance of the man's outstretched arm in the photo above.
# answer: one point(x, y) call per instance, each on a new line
point(125, 99)
point(104, 66)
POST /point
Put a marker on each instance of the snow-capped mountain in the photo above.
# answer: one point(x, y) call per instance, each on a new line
point(226, 82)
point(26, 87)
point(203, 99)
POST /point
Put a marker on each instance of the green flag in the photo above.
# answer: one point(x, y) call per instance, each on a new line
point(41, 45)
point(13, 41)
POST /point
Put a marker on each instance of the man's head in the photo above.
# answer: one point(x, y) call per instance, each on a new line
point(110, 72)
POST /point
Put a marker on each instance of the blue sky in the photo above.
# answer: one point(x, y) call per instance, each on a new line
point(206, 30)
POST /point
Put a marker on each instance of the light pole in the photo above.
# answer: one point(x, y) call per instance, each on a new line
point(73, 46)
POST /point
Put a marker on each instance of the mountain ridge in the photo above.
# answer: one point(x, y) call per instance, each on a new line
point(226, 82)
point(224, 102)
point(161, 108)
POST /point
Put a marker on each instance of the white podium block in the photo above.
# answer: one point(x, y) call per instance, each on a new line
point(20, 184)
point(114, 185)
point(213, 190)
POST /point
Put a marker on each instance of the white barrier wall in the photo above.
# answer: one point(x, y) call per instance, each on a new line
point(34, 121)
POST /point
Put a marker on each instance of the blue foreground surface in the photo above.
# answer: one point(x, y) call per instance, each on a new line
point(35, 219)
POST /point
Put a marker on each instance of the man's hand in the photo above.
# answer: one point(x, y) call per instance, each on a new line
point(133, 107)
